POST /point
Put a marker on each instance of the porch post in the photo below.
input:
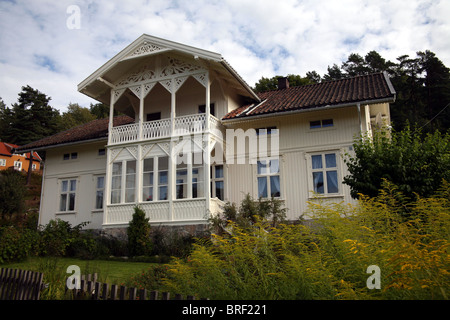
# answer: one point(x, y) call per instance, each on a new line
point(207, 152)
point(141, 112)
point(172, 162)
point(107, 195)
point(111, 115)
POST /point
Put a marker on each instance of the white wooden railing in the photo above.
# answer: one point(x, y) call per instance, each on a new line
point(190, 124)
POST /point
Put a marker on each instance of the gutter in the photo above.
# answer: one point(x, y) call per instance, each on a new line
point(241, 81)
point(327, 107)
point(61, 145)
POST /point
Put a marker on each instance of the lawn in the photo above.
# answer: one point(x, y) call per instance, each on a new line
point(113, 272)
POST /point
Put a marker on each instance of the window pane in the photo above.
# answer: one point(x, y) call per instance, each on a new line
point(314, 124)
point(130, 181)
point(129, 195)
point(116, 182)
point(316, 162)
point(148, 165)
point(181, 190)
point(147, 194)
point(274, 166)
point(100, 182)
point(131, 167)
point(163, 163)
point(73, 185)
point(262, 167)
point(327, 123)
point(99, 200)
point(115, 196)
point(262, 187)
point(219, 189)
point(71, 202)
point(197, 189)
point(63, 202)
point(64, 185)
point(275, 186)
point(148, 179)
point(332, 182)
point(163, 177)
point(318, 182)
point(330, 160)
point(117, 168)
point(162, 193)
point(218, 171)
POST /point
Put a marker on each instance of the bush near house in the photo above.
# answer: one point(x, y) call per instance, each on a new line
point(330, 259)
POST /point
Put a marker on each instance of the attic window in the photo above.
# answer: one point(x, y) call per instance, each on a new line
point(68, 156)
point(326, 123)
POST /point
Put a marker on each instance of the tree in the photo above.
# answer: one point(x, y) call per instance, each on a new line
point(12, 193)
point(415, 162)
point(30, 119)
point(75, 116)
point(267, 84)
point(138, 231)
point(100, 110)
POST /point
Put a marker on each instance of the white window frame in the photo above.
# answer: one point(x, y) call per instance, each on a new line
point(18, 165)
point(2, 162)
point(67, 192)
point(267, 174)
point(324, 170)
point(215, 179)
point(97, 190)
point(124, 186)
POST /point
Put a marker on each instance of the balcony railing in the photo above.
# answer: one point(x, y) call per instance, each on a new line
point(190, 124)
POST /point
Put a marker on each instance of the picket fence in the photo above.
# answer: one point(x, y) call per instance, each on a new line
point(91, 289)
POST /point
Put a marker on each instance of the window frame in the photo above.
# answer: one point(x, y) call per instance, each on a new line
point(97, 190)
point(68, 192)
point(215, 179)
point(324, 169)
point(268, 174)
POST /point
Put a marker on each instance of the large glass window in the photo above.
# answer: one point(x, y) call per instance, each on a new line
point(147, 181)
point(100, 188)
point(197, 176)
point(116, 182)
point(182, 181)
point(163, 178)
point(130, 181)
point(268, 176)
point(217, 182)
point(123, 182)
point(325, 173)
point(67, 195)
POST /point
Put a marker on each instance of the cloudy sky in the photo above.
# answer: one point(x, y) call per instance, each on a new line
point(44, 45)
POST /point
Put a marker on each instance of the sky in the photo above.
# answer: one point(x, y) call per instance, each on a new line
point(53, 45)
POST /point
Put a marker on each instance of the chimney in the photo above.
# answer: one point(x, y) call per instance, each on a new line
point(283, 83)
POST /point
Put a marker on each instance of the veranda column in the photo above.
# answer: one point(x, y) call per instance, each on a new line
point(107, 195)
point(206, 151)
point(172, 157)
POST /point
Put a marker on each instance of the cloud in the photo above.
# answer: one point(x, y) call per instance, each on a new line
point(258, 38)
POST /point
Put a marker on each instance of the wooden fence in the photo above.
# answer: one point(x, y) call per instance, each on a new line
point(16, 284)
point(91, 289)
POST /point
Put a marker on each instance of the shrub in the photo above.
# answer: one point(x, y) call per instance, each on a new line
point(138, 231)
point(12, 193)
point(16, 244)
point(330, 259)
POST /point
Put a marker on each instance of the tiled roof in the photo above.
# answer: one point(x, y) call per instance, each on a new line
point(6, 149)
point(93, 130)
point(345, 91)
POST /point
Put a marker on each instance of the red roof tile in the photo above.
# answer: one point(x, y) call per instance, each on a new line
point(351, 90)
point(6, 149)
point(95, 129)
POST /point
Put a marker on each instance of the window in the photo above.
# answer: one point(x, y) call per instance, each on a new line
point(212, 109)
point(147, 183)
point(325, 173)
point(182, 181)
point(33, 166)
point(163, 178)
point(123, 182)
point(2, 163)
point(268, 130)
point(197, 176)
point(100, 188)
point(217, 182)
point(101, 152)
point(68, 156)
point(18, 165)
point(67, 195)
point(321, 123)
point(268, 176)
point(153, 116)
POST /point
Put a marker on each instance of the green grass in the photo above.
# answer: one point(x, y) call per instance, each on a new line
point(113, 272)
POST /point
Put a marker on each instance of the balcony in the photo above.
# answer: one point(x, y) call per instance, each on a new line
point(159, 129)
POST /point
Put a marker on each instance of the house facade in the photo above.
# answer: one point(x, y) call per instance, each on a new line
point(18, 162)
point(193, 135)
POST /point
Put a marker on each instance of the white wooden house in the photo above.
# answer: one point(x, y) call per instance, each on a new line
point(193, 134)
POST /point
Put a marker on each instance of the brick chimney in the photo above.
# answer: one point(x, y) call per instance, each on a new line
point(283, 83)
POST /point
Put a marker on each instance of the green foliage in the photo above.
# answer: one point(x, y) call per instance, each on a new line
point(416, 163)
point(248, 213)
point(138, 231)
point(75, 116)
point(150, 279)
point(329, 259)
point(16, 244)
point(12, 193)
